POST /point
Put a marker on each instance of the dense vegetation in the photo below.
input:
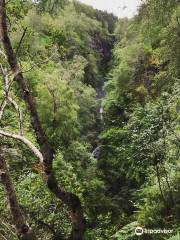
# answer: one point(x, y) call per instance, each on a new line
point(89, 121)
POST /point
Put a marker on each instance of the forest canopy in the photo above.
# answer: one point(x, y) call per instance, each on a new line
point(89, 121)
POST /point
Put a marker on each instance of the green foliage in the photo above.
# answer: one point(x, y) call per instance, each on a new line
point(127, 232)
point(175, 237)
point(139, 147)
point(135, 180)
point(51, 6)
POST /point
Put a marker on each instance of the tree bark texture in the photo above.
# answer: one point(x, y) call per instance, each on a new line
point(23, 230)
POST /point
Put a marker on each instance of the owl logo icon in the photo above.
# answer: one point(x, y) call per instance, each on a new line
point(139, 231)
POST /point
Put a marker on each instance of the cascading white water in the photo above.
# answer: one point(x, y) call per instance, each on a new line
point(101, 113)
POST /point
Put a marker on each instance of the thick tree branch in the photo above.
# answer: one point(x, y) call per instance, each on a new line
point(2, 108)
point(24, 140)
point(71, 200)
point(23, 230)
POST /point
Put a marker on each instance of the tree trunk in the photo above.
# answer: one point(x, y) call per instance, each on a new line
point(71, 200)
point(23, 230)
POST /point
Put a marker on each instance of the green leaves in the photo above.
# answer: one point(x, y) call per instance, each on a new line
point(139, 148)
point(127, 232)
point(174, 237)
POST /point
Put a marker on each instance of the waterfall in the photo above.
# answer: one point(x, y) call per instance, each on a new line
point(101, 111)
point(96, 152)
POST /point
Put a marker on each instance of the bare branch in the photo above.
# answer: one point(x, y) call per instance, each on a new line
point(20, 42)
point(6, 82)
point(9, 99)
point(20, 115)
point(2, 108)
point(2, 53)
point(24, 140)
point(22, 229)
point(2, 69)
point(38, 64)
